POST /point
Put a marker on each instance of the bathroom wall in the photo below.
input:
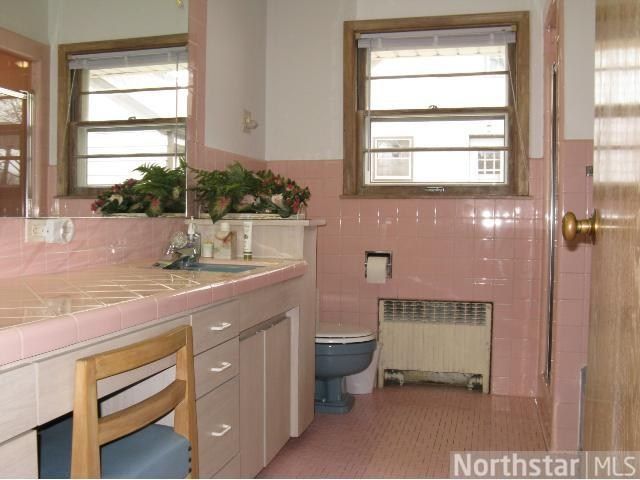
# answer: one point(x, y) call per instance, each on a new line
point(27, 18)
point(97, 242)
point(574, 25)
point(304, 68)
point(469, 249)
point(461, 249)
point(236, 38)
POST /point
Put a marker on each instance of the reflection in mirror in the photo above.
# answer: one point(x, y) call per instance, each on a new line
point(33, 35)
point(15, 117)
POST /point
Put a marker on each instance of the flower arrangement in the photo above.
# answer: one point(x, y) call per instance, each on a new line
point(237, 189)
point(160, 190)
point(280, 194)
point(120, 198)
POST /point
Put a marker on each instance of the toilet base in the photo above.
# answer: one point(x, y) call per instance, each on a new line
point(331, 397)
point(344, 405)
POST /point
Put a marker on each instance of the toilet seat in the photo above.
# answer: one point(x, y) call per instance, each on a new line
point(342, 334)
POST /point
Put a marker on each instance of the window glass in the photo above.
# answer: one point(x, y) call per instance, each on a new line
point(436, 106)
point(128, 108)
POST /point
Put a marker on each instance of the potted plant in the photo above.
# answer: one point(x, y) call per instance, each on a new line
point(238, 190)
point(163, 188)
point(224, 191)
point(281, 195)
point(160, 190)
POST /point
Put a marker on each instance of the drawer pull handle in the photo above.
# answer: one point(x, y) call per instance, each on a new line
point(222, 368)
point(223, 432)
point(219, 328)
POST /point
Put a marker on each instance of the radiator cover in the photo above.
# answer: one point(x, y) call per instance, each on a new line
point(435, 336)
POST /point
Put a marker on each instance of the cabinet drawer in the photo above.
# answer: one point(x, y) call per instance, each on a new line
point(214, 326)
point(218, 426)
point(19, 457)
point(216, 366)
point(230, 470)
point(17, 401)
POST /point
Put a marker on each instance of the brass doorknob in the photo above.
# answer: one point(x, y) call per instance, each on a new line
point(572, 227)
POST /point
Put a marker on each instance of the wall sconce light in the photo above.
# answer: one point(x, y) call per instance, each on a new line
point(180, 3)
point(248, 123)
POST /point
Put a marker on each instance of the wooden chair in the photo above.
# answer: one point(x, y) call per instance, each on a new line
point(153, 451)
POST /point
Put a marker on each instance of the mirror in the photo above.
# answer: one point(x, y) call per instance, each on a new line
point(30, 32)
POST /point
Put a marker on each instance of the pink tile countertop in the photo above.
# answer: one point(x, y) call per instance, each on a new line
point(42, 313)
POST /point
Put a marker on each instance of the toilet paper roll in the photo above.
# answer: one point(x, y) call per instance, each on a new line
point(377, 269)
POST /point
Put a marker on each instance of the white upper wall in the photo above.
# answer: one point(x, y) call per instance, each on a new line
point(304, 78)
point(304, 67)
point(579, 41)
point(26, 17)
point(72, 21)
point(235, 80)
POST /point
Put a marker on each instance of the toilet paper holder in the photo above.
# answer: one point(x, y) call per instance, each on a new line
point(379, 253)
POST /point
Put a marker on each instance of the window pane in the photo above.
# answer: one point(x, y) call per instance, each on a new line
point(149, 76)
point(437, 132)
point(157, 144)
point(443, 92)
point(108, 171)
point(131, 140)
point(140, 105)
point(10, 110)
point(450, 167)
point(439, 60)
point(9, 173)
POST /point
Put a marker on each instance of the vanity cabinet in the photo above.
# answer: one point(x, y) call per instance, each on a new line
point(265, 393)
point(216, 366)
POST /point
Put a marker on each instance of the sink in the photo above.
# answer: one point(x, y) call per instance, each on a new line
point(216, 267)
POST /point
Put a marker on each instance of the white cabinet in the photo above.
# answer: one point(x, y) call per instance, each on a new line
point(265, 393)
point(277, 387)
point(252, 404)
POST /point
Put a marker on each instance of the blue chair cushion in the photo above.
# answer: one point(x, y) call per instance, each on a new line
point(155, 451)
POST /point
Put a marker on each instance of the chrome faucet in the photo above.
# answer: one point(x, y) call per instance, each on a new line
point(182, 252)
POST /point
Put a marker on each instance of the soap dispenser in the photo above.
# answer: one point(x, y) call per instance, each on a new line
point(193, 239)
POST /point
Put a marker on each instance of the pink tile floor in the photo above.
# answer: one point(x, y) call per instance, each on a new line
point(408, 432)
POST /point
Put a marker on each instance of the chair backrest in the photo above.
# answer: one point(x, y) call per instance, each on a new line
point(90, 431)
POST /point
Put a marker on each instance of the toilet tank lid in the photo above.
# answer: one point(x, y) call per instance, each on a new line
point(336, 331)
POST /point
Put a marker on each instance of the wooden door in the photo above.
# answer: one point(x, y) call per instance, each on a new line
point(277, 387)
point(612, 413)
point(252, 405)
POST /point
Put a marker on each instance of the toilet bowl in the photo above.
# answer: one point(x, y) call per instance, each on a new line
point(341, 350)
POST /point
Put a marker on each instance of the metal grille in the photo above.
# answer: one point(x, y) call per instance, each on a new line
point(432, 311)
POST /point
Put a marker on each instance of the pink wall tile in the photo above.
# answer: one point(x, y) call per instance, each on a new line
point(462, 249)
point(97, 241)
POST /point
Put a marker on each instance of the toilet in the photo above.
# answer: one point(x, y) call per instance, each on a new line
point(341, 350)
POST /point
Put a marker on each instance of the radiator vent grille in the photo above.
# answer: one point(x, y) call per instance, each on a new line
point(432, 311)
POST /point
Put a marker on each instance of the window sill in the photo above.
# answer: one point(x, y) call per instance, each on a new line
point(434, 195)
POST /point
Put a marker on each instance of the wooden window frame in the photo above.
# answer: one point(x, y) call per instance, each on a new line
point(353, 147)
point(66, 167)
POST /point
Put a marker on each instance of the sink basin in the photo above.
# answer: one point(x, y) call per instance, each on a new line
point(218, 267)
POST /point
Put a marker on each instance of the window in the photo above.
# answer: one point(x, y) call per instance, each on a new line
point(393, 160)
point(126, 107)
point(436, 105)
point(488, 165)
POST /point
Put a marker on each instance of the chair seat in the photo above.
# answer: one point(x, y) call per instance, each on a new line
point(155, 451)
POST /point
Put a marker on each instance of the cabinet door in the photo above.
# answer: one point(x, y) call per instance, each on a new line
point(252, 405)
point(277, 387)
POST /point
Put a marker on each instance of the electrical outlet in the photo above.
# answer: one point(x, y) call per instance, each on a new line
point(49, 230)
point(35, 230)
